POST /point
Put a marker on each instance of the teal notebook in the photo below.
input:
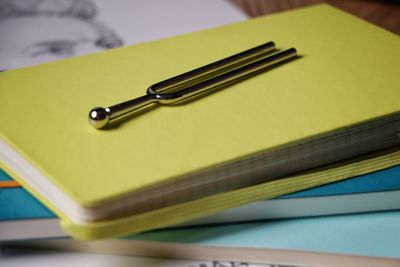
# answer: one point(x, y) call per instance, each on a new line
point(369, 234)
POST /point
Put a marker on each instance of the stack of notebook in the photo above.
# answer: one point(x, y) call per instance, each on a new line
point(318, 119)
point(22, 217)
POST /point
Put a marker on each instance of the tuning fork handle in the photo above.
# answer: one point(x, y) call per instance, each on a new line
point(100, 117)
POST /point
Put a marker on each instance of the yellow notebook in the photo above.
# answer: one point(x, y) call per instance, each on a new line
point(338, 100)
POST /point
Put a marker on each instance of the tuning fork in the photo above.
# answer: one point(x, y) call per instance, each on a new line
point(196, 82)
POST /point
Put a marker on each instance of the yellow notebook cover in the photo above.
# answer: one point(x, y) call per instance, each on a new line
point(346, 74)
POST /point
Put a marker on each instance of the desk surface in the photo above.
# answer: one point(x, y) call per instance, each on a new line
point(385, 14)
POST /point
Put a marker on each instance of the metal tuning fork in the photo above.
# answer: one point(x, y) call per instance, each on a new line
point(196, 82)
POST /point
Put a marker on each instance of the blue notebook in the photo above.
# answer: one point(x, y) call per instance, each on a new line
point(17, 203)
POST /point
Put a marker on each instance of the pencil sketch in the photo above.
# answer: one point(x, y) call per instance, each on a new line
point(235, 264)
point(36, 31)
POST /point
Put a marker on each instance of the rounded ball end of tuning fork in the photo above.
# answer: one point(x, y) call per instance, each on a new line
point(99, 117)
